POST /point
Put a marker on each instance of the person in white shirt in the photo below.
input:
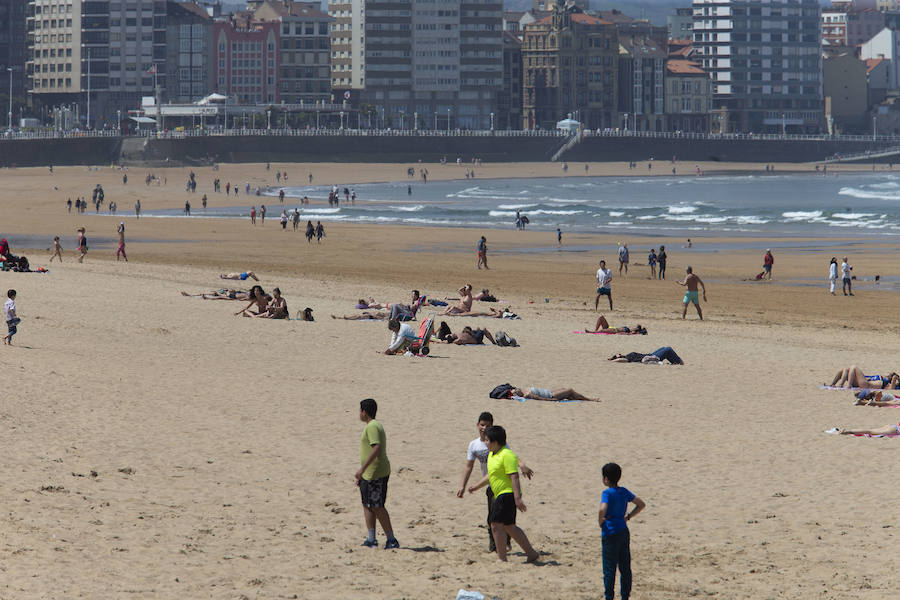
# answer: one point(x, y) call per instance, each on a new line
point(623, 258)
point(12, 320)
point(478, 450)
point(604, 278)
point(403, 336)
point(832, 273)
point(845, 276)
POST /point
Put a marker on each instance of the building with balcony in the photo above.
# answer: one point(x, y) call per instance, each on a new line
point(765, 60)
point(304, 49)
point(642, 69)
point(681, 24)
point(509, 101)
point(12, 53)
point(688, 96)
point(570, 64)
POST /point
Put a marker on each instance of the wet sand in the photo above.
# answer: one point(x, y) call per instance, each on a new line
point(159, 446)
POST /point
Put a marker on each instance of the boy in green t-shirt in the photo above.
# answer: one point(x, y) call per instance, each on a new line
point(503, 475)
point(372, 476)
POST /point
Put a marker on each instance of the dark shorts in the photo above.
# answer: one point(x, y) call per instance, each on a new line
point(767, 268)
point(504, 509)
point(604, 291)
point(373, 492)
point(11, 325)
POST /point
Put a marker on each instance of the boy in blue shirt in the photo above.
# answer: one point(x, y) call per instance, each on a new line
point(616, 538)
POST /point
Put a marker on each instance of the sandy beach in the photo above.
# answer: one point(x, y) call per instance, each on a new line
point(160, 447)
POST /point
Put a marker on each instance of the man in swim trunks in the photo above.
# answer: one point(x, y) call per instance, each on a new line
point(691, 282)
point(242, 276)
point(604, 278)
point(482, 253)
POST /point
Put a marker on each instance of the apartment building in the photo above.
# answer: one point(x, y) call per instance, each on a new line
point(570, 63)
point(765, 59)
point(843, 25)
point(246, 61)
point(12, 50)
point(509, 102)
point(347, 44)
point(688, 96)
point(54, 51)
point(304, 49)
point(642, 69)
point(680, 24)
point(189, 52)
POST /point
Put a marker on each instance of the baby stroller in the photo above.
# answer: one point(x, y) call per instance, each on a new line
point(426, 329)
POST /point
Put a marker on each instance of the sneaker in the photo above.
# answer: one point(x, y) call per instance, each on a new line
point(391, 544)
point(372, 544)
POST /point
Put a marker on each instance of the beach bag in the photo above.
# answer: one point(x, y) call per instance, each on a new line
point(504, 339)
point(501, 391)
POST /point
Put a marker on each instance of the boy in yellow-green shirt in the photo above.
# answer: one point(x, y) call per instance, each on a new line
point(503, 475)
point(372, 476)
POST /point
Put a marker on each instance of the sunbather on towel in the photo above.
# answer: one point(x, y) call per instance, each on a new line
point(221, 294)
point(876, 398)
point(602, 326)
point(886, 430)
point(362, 303)
point(465, 303)
point(468, 336)
point(553, 395)
point(853, 377)
point(657, 356)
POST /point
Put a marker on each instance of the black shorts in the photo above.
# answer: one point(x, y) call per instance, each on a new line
point(373, 492)
point(504, 509)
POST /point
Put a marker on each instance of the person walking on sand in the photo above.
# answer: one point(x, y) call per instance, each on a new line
point(57, 249)
point(847, 283)
point(372, 476)
point(12, 319)
point(616, 539)
point(832, 273)
point(623, 258)
point(768, 261)
point(253, 215)
point(137, 209)
point(320, 232)
point(604, 279)
point(503, 477)
point(651, 260)
point(482, 253)
point(262, 214)
point(310, 232)
point(559, 235)
point(121, 249)
point(691, 282)
point(82, 244)
point(661, 258)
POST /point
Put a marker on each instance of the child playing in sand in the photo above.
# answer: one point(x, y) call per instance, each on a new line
point(503, 475)
point(616, 537)
point(57, 249)
point(478, 449)
point(12, 320)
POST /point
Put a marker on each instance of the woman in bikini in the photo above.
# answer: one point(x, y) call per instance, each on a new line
point(553, 395)
point(602, 326)
point(277, 307)
point(853, 377)
point(886, 430)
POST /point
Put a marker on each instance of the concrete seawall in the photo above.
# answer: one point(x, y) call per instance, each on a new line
point(411, 148)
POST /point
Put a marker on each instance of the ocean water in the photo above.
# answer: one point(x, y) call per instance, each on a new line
point(787, 205)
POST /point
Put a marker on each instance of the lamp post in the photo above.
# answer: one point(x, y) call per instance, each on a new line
point(448, 120)
point(435, 121)
point(416, 121)
point(89, 89)
point(9, 70)
point(783, 125)
point(402, 114)
point(492, 121)
point(317, 120)
point(874, 128)
point(342, 120)
point(269, 119)
point(119, 120)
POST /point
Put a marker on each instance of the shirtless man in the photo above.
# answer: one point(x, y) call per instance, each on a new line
point(121, 249)
point(465, 302)
point(258, 298)
point(691, 282)
point(221, 294)
point(242, 276)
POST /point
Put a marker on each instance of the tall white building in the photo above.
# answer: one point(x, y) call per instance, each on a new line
point(420, 63)
point(765, 60)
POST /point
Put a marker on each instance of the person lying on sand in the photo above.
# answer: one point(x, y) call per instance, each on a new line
point(258, 298)
point(853, 377)
point(242, 276)
point(221, 294)
point(876, 398)
point(892, 429)
point(552, 395)
point(657, 356)
point(276, 308)
point(485, 296)
point(468, 336)
point(602, 326)
point(362, 303)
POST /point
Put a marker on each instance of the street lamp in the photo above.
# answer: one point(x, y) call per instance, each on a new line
point(317, 120)
point(269, 119)
point(435, 121)
point(119, 120)
point(874, 128)
point(492, 121)
point(783, 125)
point(448, 120)
point(342, 120)
point(9, 70)
point(416, 121)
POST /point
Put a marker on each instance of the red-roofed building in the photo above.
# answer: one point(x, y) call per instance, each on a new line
point(570, 61)
point(246, 60)
point(688, 96)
